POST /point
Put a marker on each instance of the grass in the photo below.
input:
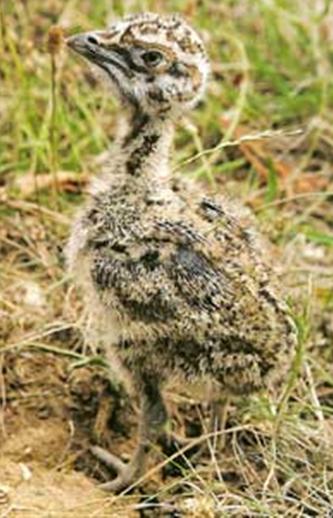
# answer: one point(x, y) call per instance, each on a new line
point(271, 75)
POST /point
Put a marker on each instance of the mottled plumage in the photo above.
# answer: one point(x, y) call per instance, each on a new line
point(179, 279)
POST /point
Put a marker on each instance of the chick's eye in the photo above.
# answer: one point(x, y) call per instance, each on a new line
point(152, 58)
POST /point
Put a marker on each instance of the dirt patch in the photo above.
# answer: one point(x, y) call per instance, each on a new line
point(50, 416)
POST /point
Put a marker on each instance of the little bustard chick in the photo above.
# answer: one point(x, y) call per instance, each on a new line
point(178, 278)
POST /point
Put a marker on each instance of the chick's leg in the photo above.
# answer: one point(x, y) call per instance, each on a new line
point(213, 436)
point(153, 417)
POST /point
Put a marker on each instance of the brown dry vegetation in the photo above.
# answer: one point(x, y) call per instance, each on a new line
point(272, 69)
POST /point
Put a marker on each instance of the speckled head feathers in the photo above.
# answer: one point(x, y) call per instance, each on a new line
point(156, 63)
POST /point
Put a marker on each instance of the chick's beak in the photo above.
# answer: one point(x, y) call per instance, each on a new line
point(105, 55)
point(84, 42)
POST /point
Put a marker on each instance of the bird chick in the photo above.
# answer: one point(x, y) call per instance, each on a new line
point(178, 280)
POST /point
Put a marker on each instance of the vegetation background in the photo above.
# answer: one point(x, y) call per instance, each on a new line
point(271, 79)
